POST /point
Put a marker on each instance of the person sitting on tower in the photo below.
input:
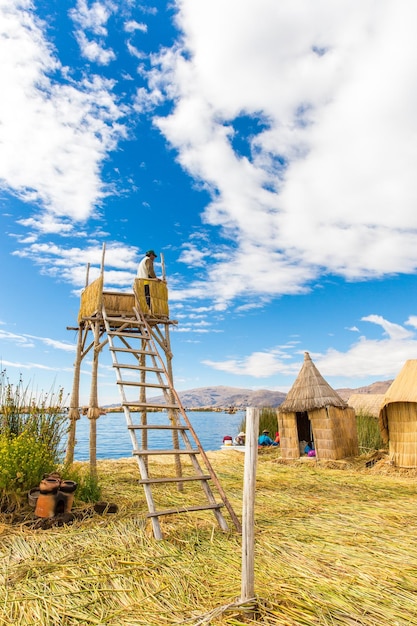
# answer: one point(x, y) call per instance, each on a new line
point(146, 271)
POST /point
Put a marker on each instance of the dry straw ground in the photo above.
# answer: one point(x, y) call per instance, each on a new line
point(336, 545)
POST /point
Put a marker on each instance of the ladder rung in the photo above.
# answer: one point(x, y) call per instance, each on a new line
point(178, 479)
point(156, 452)
point(143, 368)
point(136, 383)
point(185, 509)
point(126, 320)
point(133, 350)
point(155, 427)
point(150, 405)
point(132, 335)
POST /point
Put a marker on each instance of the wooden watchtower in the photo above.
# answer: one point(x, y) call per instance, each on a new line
point(135, 327)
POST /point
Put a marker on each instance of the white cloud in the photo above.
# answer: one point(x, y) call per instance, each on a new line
point(54, 343)
point(412, 321)
point(54, 135)
point(21, 340)
point(93, 18)
point(326, 181)
point(29, 341)
point(394, 331)
point(31, 366)
point(70, 264)
point(260, 364)
point(131, 26)
point(94, 51)
point(365, 358)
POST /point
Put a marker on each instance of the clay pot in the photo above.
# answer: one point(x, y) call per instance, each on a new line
point(45, 506)
point(48, 489)
point(49, 485)
point(33, 496)
point(67, 488)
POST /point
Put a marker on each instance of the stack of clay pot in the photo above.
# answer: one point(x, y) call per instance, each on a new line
point(55, 496)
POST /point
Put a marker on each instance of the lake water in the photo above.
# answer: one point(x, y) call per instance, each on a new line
point(113, 439)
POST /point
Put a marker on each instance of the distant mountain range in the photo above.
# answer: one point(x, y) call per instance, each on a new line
point(225, 397)
point(378, 387)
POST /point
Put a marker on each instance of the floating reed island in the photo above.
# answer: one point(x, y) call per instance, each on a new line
point(335, 544)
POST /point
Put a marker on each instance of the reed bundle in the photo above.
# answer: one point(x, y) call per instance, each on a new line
point(158, 293)
point(336, 544)
point(91, 299)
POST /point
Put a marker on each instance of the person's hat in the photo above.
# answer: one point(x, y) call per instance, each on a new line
point(265, 431)
point(151, 253)
point(241, 434)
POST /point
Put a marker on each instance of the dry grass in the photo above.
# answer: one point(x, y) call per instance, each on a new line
point(336, 544)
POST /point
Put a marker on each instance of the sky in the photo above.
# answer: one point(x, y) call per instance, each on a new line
point(267, 149)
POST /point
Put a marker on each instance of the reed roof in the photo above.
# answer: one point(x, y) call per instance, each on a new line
point(404, 386)
point(366, 403)
point(310, 391)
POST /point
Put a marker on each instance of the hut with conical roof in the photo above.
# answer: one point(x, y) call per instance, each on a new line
point(313, 411)
point(398, 417)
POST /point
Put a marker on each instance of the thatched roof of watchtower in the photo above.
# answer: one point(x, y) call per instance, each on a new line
point(310, 391)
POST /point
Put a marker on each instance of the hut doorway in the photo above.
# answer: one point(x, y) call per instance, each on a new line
point(304, 430)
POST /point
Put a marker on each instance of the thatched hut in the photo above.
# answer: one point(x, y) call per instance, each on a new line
point(313, 411)
point(398, 417)
point(366, 403)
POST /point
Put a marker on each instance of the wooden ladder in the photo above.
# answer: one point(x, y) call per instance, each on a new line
point(139, 367)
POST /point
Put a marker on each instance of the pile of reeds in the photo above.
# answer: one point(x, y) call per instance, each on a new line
point(335, 545)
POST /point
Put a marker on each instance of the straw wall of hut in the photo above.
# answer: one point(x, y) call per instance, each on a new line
point(332, 430)
point(398, 417)
point(313, 411)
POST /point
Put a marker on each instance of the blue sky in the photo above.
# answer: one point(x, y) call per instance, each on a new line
point(267, 149)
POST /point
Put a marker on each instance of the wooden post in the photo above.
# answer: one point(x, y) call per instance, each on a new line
point(93, 412)
point(103, 252)
point(163, 267)
point(248, 505)
point(172, 414)
point(74, 412)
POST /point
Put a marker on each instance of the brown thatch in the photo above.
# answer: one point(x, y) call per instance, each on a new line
point(398, 417)
point(91, 299)
point(313, 411)
point(366, 403)
point(118, 303)
point(310, 391)
point(158, 297)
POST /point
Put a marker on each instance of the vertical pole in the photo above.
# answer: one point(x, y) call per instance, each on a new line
point(173, 416)
point(93, 412)
point(74, 412)
point(248, 506)
point(163, 267)
point(103, 251)
point(142, 398)
point(87, 275)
